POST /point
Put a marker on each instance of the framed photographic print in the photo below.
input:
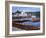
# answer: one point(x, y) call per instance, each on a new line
point(24, 18)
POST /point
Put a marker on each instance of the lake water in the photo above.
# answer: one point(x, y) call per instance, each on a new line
point(37, 24)
point(29, 22)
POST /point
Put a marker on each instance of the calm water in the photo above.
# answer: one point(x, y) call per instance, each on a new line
point(37, 24)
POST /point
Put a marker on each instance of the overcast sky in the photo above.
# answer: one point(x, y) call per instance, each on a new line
point(31, 9)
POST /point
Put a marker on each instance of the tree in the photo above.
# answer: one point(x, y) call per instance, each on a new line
point(18, 11)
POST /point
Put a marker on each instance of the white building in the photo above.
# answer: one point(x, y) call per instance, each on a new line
point(23, 14)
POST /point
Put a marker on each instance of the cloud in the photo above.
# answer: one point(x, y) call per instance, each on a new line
point(31, 9)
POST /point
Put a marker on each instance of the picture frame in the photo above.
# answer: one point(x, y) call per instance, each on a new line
point(19, 6)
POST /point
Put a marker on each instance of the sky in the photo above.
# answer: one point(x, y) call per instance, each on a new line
point(27, 9)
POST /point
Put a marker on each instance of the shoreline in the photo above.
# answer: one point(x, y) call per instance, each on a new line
point(25, 27)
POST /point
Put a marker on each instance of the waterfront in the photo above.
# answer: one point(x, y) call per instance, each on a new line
point(25, 18)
